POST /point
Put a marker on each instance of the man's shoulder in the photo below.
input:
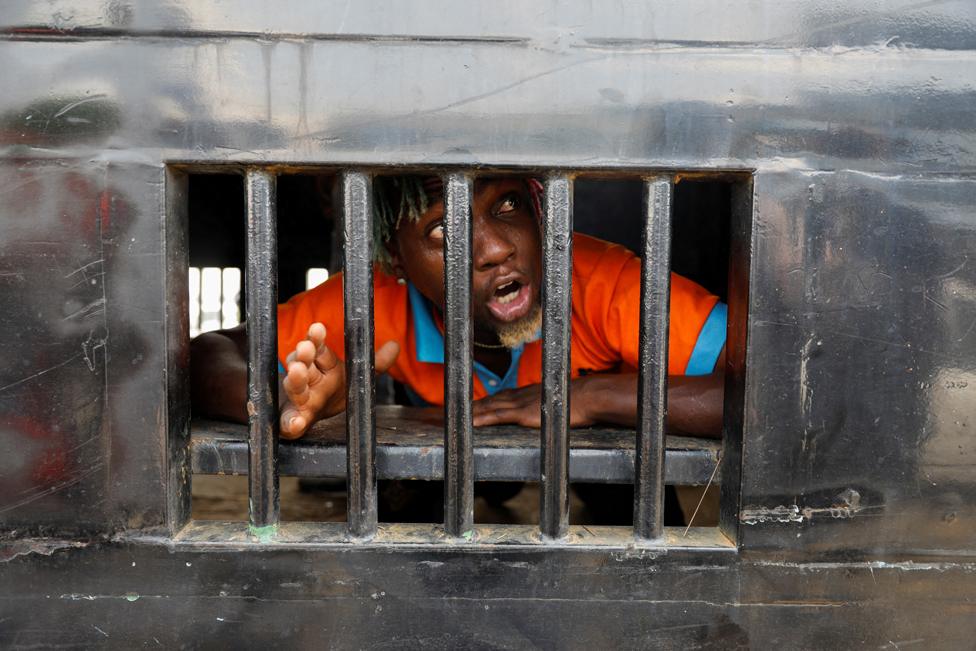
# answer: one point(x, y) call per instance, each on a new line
point(325, 303)
point(330, 292)
point(587, 246)
point(593, 256)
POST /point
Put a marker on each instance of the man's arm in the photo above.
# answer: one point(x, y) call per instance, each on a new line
point(695, 403)
point(218, 374)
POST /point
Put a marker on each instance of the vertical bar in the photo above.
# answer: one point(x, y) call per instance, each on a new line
point(458, 453)
point(193, 289)
point(741, 245)
point(178, 276)
point(262, 340)
point(652, 383)
point(357, 284)
point(220, 301)
point(557, 294)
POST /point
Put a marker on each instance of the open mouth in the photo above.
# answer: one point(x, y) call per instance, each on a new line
point(507, 292)
point(510, 301)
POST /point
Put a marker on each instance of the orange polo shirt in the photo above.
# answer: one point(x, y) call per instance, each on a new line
point(605, 321)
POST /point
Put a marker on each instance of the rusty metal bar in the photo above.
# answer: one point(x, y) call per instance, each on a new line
point(653, 379)
point(262, 337)
point(458, 447)
point(357, 284)
point(557, 261)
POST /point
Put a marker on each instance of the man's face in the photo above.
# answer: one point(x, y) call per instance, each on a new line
point(506, 255)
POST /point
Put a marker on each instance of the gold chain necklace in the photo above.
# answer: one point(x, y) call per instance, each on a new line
point(490, 346)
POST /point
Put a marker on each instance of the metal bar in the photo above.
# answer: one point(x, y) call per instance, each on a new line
point(653, 379)
point(177, 424)
point(221, 449)
point(557, 261)
point(199, 283)
point(741, 236)
point(357, 284)
point(458, 457)
point(262, 339)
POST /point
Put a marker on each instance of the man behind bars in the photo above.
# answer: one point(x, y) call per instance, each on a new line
point(506, 287)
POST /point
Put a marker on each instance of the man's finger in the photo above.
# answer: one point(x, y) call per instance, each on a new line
point(507, 399)
point(386, 356)
point(516, 416)
point(488, 405)
point(296, 383)
point(325, 359)
point(293, 424)
point(305, 352)
point(485, 418)
point(316, 334)
point(296, 378)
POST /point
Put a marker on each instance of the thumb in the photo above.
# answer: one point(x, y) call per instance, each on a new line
point(386, 355)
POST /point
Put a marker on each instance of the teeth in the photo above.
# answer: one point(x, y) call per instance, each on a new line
point(506, 298)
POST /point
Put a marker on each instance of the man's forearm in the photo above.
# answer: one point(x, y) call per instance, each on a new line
point(218, 377)
point(695, 403)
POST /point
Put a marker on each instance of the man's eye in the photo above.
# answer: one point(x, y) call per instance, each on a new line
point(508, 204)
point(436, 232)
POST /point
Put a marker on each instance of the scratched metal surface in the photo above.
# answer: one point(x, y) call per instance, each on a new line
point(860, 381)
point(497, 597)
point(410, 445)
point(861, 365)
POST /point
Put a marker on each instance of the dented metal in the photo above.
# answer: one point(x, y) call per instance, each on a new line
point(852, 339)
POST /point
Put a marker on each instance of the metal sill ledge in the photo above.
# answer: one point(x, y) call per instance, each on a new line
point(201, 534)
point(410, 445)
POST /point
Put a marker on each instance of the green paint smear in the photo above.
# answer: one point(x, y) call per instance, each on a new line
point(468, 535)
point(264, 534)
point(131, 596)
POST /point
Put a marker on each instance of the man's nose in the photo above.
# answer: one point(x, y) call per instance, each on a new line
point(492, 244)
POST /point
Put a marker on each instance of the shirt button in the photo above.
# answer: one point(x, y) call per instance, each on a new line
point(492, 383)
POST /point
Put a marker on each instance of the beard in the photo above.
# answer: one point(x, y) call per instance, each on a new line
point(526, 329)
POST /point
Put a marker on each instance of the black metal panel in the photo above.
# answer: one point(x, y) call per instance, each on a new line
point(557, 298)
point(458, 339)
point(710, 108)
point(861, 365)
point(857, 484)
point(57, 219)
point(357, 282)
point(84, 294)
point(448, 596)
point(652, 385)
point(261, 287)
point(410, 446)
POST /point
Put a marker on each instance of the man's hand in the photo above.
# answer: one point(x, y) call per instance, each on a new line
point(695, 403)
point(315, 384)
point(523, 406)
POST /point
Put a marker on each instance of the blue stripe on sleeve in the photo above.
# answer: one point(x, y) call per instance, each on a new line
point(281, 368)
point(711, 339)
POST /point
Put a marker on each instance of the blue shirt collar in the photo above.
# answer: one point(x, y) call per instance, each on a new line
point(427, 337)
point(429, 343)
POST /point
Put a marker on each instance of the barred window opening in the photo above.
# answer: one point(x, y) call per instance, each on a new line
point(309, 250)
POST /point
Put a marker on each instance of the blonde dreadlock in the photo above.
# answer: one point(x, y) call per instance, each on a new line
point(411, 200)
